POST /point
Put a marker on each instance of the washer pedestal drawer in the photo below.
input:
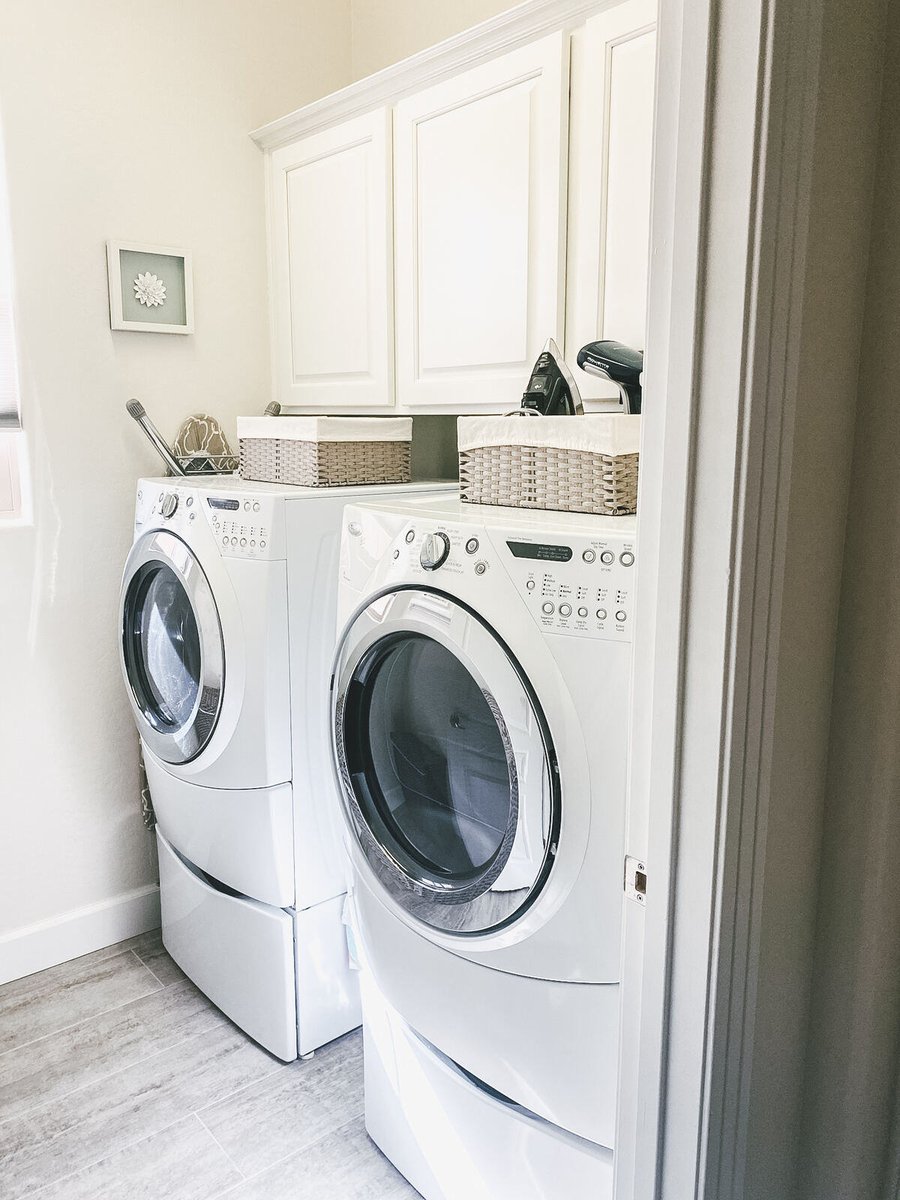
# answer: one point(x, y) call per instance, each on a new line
point(239, 952)
point(455, 1140)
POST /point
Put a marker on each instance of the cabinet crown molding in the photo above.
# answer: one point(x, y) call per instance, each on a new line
point(520, 25)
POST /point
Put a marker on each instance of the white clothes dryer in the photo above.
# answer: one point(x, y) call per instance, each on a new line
point(479, 703)
point(227, 614)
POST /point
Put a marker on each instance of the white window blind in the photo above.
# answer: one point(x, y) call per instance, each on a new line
point(9, 375)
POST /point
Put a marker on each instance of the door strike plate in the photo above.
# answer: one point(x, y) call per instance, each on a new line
point(636, 880)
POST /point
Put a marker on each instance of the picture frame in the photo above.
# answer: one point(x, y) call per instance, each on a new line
point(151, 288)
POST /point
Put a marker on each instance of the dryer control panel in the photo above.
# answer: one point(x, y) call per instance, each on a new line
point(250, 527)
point(242, 528)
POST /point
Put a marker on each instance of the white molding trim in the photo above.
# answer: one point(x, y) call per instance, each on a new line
point(525, 23)
point(79, 931)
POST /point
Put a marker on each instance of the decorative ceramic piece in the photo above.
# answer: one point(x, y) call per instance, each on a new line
point(150, 288)
point(202, 448)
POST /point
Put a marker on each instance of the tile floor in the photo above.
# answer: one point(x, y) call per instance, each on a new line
point(120, 1081)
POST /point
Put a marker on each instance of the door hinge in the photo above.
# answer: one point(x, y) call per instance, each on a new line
point(635, 880)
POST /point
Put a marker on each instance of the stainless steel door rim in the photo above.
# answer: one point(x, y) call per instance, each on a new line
point(171, 644)
point(448, 776)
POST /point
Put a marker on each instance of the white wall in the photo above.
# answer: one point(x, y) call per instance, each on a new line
point(384, 31)
point(121, 121)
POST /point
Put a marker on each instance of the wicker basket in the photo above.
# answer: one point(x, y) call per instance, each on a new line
point(569, 464)
point(325, 451)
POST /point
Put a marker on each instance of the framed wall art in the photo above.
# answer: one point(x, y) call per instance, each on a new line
point(150, 288)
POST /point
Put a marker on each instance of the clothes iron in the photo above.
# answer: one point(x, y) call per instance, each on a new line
point(552, 390)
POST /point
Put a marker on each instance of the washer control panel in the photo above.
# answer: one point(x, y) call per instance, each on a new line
point(577, 585)
point(241, 526)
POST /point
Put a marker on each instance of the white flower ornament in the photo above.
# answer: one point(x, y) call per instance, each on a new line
point(150, 290)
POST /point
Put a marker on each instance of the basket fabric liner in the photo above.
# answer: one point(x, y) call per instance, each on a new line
point(327, 429)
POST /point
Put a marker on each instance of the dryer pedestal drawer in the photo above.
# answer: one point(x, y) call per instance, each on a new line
point(242, 837)
point(238, 952)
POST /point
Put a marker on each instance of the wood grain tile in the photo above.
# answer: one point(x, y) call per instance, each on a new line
point(51, 1067)
point(290, 1110)
point(183, 1162)
point(46, 980)
point(47, 1143)
point(150, 950)
point(345, 1165)
point(52, 1000)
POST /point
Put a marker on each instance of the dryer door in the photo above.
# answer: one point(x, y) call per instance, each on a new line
point(449, 779)
point(173, 655)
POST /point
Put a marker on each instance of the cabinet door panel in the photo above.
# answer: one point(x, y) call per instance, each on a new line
point(479, 228)
point(610, 164)
point(331, 266)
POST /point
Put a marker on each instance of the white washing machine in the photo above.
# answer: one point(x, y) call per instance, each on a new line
point(227, 630)
point(479, 706)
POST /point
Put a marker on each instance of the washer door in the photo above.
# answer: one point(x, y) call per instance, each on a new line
point(173, 655)
point(449, 779)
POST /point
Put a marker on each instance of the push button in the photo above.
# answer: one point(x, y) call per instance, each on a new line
point(530, 585)
point(582, 612)
point(589, 556)
point(472, 546)
point(565, 610)
point(480, 568)
point(601, 614)
point(621, 616)
point(547, 607)
point(626, 559)
point(607, 557)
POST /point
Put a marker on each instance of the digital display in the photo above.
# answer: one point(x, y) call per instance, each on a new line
point(541, 551)
point(218, 502)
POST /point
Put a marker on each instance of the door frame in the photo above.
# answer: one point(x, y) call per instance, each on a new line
point(764, 149)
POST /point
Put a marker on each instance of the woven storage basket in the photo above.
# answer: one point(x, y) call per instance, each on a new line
point(570, 464)
point(325, 451)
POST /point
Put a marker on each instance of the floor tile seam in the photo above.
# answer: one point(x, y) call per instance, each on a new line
point(34, 1195)
point(147, 967)
point(206, 1129)
point(282, 1066)
point(214, 1017)
point(304, 1148)
point(93, 1017)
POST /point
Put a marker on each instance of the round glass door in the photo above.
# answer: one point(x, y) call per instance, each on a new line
point(447, 770)
point(171, 647)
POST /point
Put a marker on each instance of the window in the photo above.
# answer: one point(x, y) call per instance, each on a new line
point(12, 439)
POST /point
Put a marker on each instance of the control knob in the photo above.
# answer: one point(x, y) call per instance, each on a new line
point(169, 504)
point(434, 552)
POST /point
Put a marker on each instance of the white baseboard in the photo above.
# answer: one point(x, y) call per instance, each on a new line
point(80, 931)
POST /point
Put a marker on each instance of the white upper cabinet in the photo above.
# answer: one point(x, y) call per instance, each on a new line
point(479, 218)
point(330, 245)
point(431, 227)
point(611, 153)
